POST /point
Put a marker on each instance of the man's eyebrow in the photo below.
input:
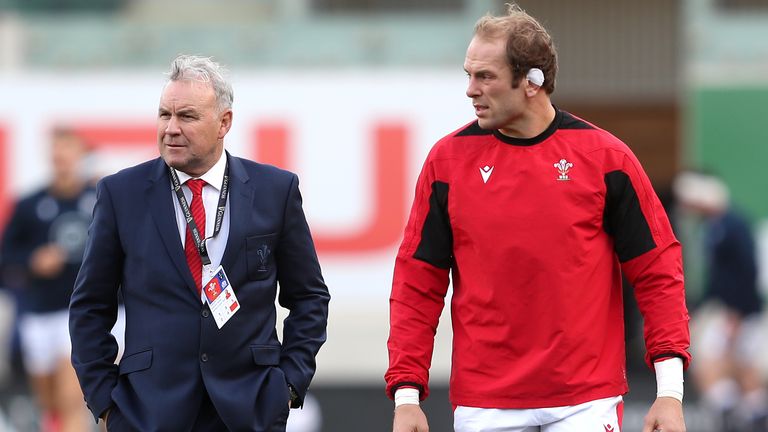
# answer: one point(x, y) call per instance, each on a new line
point(183, 110)
point(479, 72)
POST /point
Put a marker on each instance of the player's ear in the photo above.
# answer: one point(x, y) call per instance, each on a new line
point(533, 82)
point(531, 90)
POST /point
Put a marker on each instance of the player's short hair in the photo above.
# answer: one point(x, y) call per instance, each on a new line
point(69, 134)
point(529, 45)
point(701, 189)
point(204, 69)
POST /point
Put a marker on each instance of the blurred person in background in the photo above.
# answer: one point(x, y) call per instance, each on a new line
point(196, 241)
point(7, 331)
point(726, 327)
point(534, 214)
point(42, 249)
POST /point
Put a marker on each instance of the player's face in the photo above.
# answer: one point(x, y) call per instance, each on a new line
point(190, 128)
point(67, 153)
point(497, 104)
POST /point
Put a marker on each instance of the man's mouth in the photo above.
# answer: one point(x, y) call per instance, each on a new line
point(480, 109)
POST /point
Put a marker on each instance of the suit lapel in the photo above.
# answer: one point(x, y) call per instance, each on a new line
point(240, 204)
point(159, 200)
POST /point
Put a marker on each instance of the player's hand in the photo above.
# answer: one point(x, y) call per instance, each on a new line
point(410, 418)
point(47, 261)
point(665, 415)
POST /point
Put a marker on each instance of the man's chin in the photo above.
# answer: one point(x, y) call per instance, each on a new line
point(485, 124)
point(175, 162)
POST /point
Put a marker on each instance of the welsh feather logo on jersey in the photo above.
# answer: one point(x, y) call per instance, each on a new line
point(563, 167)
point(486, 173)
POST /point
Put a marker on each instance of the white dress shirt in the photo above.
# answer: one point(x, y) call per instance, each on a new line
point(213, 179)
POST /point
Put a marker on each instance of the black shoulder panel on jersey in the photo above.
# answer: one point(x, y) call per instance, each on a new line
point(623, 218)
point(571, 122)
point(436, 245)
point(473, 129)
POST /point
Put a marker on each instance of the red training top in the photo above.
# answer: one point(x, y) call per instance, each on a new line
point(535, 234)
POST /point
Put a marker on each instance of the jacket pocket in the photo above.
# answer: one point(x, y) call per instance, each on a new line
point(259, 256)
point(266, 355)
point(136, 362)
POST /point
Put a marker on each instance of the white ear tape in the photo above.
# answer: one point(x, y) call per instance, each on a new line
point(536, 76)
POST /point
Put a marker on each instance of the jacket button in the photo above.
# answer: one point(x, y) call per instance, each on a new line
point(205, 313)
point(204, 357)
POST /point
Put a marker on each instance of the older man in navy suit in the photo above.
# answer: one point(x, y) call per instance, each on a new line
point(196, 242)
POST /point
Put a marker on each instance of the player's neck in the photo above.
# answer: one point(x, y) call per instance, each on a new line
point(532, 122)
point(67, 187)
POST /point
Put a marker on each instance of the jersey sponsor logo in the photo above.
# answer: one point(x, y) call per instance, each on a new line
point(563, 167)
point(486, 172)
point(608, 428)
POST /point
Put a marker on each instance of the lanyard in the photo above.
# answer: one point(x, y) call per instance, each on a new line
point(196, 236)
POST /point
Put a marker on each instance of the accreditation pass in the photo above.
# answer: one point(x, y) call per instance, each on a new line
point(221, 297)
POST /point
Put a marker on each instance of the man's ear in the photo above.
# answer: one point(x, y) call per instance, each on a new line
point(533, 81)
point(226, 123)
point(531, 89)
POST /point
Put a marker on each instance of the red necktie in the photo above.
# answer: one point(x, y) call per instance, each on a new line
point(198, 214)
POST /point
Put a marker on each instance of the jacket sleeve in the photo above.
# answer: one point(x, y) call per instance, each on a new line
point(650, 257)
point(93, 307)
point(419, 285)
point(303, 292)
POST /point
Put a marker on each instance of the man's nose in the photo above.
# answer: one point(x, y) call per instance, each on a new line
point(173, 126)
point(472, 88)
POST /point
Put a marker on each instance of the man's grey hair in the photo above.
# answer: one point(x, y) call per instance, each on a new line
point(204, 69)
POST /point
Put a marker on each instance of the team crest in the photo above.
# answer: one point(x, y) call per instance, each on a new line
point(263, 253)
point(563, 167)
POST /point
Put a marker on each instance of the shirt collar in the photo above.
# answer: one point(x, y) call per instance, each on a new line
point(213, 177)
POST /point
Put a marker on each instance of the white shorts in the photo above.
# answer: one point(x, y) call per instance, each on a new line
point(713, 336)
point(44, 341)
point(598, 415)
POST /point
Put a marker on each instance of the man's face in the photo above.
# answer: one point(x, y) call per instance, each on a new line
point(190, 128)
point(497, 104)
point(67, 153)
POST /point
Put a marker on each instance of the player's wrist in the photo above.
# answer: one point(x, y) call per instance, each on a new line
point(669, 378)
point(406, 396)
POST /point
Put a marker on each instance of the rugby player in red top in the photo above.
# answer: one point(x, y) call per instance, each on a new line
point(534, 214)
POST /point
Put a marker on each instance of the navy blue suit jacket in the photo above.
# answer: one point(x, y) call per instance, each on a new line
point(174, 352)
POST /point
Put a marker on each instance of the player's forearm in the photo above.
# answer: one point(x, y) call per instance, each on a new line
point(410, 345)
